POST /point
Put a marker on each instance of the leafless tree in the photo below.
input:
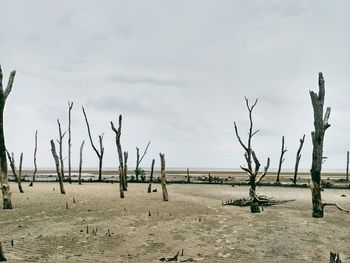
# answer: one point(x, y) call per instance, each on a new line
point(188, 176)
point(162, 177)
point(2, 256)
point(250, 156)
point(321, 125)
point(99, 152)
point(57, 164)
point(138, 170)
point(81, 161)
point(35, 151)
point(16, 174)
point(347, 166)
point(5, 188)
point(70, 106)
point(60, 144)
point(118, 133)
point(297, 160)
point(283, 151)
point(126, 155)
point(149, 190)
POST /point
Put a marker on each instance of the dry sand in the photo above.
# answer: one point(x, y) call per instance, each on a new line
point(43, 230)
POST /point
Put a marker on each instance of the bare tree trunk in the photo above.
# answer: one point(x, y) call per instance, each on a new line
point(321, 125)
point(139, 160)
point(5, 188)
point(334, 257)
point(162, 177)
point(2, 256)
point(70, 106)
point(60, 143)
point(125, 173)
point(14, 170)
point(188, 176)
point(149, 190)
point(283, 151)
point(57, 163)
point(347, 166)
point(81, 161)
point(118, 133)
point(297, 160)
point(98, 153)
point(35, 151)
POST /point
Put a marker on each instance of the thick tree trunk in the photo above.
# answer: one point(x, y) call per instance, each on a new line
point(162, 177)
point(35, 151)
point(297, 160)
point(5, 188)
point(100, 169)
point(81, 161)
point(2, 256)
point(70, 106)
point(254, 206)
point(320, 125)
point(57, 164)
point(334, 257)
point(283, 151)
point(149, 190)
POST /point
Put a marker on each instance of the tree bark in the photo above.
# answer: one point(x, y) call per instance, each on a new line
point(16, 174)
point(5, 188)
point(70, 106)
point(57, 164)
point(60, 144)
point(321, 125)
point(81, 161)
point(35, 151)
point(162, 177)
point(297, 160)
point(99, 152)
point(149, 190)
point(283, 151)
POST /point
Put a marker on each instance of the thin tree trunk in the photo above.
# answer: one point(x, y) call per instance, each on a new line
point(162, 177)
point(149, 190)
point(188, 176)
point(57, 164)
point(283, 151)
point(5, 188)
point(125, 173)
point(81, 161)
point(14, 170)
point(70, 106)
point(139, 160)
point(60, 144)
point(35, 151)
point(347, 166)
point(297, 160)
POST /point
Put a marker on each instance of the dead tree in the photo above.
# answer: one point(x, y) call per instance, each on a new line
point(2, 256)
point(16, 174)
point(149, 190)
point(70, 106)
point(99, 152)
point(60, 144)
point(254, 200)
point(138, 170)
point(321, 125)
point(297, 160)
point(57, 164)
point(347, 166)
point(334, 257)
point(118, 133)
point(283, 151)
point(162, 177)
point(81, 161)
point(188, 176)
point(35, 151)
point(5, 188)
point(126, 155)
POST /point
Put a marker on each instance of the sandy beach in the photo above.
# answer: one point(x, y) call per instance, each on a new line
point(143, 228)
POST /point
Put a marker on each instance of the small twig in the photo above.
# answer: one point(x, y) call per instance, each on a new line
point(336, 205)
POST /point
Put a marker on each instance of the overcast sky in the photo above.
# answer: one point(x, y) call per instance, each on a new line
point(178, 71)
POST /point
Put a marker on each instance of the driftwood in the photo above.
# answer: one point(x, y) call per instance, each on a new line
point(99, 152)
point(70, 106)
point(334, 257)
point(250, 156)
point(2, 256)
point(149, 190)
point(60, 144)
point(297, 160)
point(261, 199)
point(57, 164)
point(139, 160)
point(34, 158)
point(81, 160)
point(5, 188)
point(283, 151)
point(16, 174)
point(162, 177)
